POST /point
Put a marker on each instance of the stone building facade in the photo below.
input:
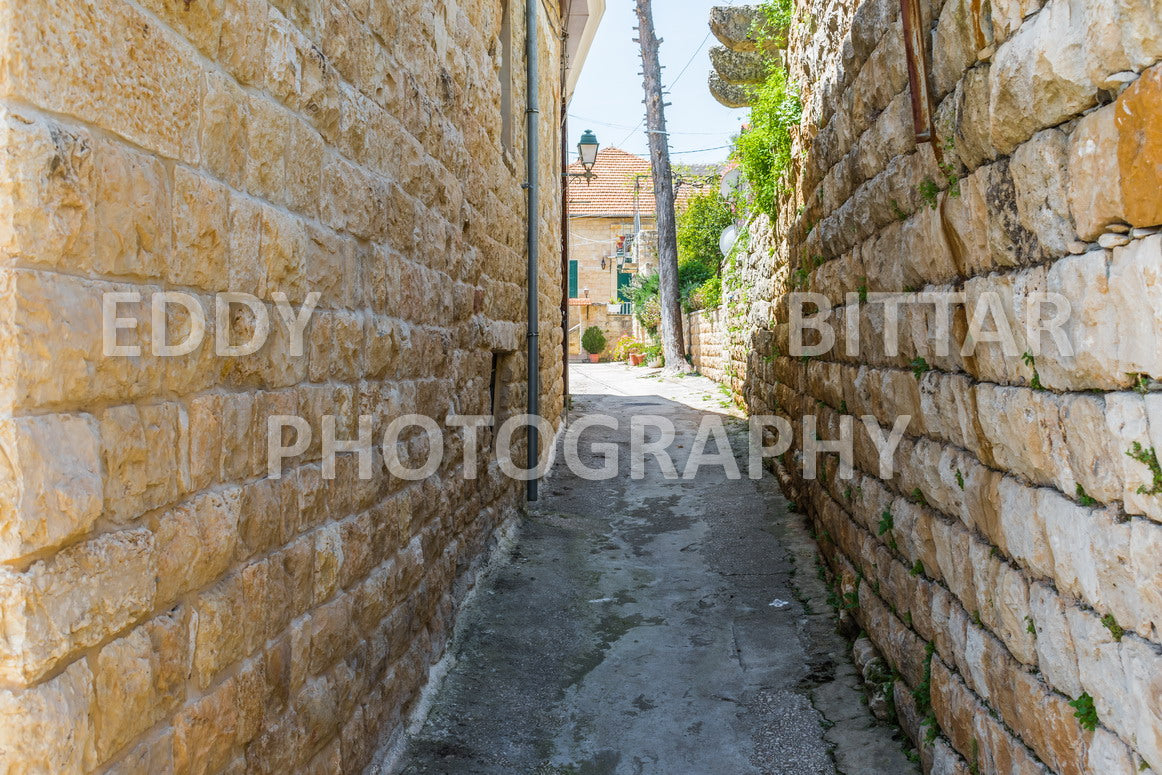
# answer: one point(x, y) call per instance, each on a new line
point(605, 216)
point(170, 601)
point(1010, 569)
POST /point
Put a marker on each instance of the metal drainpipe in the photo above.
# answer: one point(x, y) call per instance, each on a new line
point(532, 153)
point(564, 242)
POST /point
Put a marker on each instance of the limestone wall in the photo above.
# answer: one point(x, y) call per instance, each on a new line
point(167, 604)
point(1013, 562)
point(708, 343)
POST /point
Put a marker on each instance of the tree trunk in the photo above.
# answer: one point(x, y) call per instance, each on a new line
point(671, 327)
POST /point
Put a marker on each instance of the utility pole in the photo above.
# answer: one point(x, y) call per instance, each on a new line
point(671, 328)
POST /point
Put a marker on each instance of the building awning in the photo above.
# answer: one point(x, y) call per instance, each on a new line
point(582, 18)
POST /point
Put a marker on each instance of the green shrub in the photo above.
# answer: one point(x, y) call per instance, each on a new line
point(651, 353)
point(700, 225)
point(1084, 712)
point(775, 19)
point(647, 307)
point(763, 151)
point(593, 340)
point(708, 295)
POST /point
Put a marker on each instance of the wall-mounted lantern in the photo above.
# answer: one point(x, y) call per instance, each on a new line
point(587, 155)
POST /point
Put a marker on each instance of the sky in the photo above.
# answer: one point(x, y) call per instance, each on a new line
point(608, 98)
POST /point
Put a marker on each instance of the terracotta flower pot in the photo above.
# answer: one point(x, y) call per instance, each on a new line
point(635, 359)
point(594, 357)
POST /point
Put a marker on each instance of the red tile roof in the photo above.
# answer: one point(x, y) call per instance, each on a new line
point(611, 193)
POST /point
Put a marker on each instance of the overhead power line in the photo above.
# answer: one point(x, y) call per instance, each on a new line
point(671, 85)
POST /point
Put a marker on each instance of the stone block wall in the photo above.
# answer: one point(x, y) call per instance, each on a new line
point(167, 603)
point(709, 344)
point(1012, 563)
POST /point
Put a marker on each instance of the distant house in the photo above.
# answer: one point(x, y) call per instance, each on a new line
point(606, 216)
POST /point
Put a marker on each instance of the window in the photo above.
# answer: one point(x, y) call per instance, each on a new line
point(572, 279)
point(506, 75)
point(498, 382)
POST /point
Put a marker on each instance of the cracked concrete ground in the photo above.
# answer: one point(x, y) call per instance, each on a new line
point(653, 626)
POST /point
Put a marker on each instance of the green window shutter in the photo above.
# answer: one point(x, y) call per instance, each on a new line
point(572, 279)
point(623, 281)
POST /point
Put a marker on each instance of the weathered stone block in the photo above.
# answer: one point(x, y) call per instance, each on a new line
point(31, 722)
point(196, 541)
point(138, 678)
point(1056, 656)
point(1040, 170)
point(200, 241)
point(51, 481)
point(74, 600)
point(1039, 76)
point(144, 464)
point(205, 731)
point(268, 137)
point(1095, 190)
point(243, 41)
point(61, 55)
point(218, 628)
point(225, 128)
point(1139, 146)
point(199, 21)
point(48, 192)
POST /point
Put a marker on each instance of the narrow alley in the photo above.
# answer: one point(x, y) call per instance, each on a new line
point(652, 626)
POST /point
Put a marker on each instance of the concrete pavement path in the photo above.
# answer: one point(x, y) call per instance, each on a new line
point(652, 627)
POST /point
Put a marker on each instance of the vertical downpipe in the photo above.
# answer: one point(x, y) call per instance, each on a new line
point(532, 151)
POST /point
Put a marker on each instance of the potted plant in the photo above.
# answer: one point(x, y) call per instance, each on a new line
point(627, 349)
point(593, 341)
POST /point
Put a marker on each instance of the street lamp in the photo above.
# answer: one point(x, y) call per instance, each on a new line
point(586, 155)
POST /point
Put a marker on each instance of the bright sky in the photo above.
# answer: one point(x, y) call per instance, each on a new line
point(608, 98)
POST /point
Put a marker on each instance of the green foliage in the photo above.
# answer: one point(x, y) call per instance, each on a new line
point(1031, 362)
point(1030, 627)
point(919, 366)
point(593, 340)
point(862, 289)
point(623, 347)
point(700, 225)
point(1141, 383)
point(1083, 497)
point(959, 479)
point(691, 276)
point(1110, 623)
point(951, 171)
point(775, 16)
point(887, 522)
point(1084, 711)
point(917, 568)
point(763, 151)
point(651, 352)
point(706, 296)
point(851, 599)
point(929, 192)
point(1149, 458)
point(922, 694)
point(918, 497)
point(647, 306)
